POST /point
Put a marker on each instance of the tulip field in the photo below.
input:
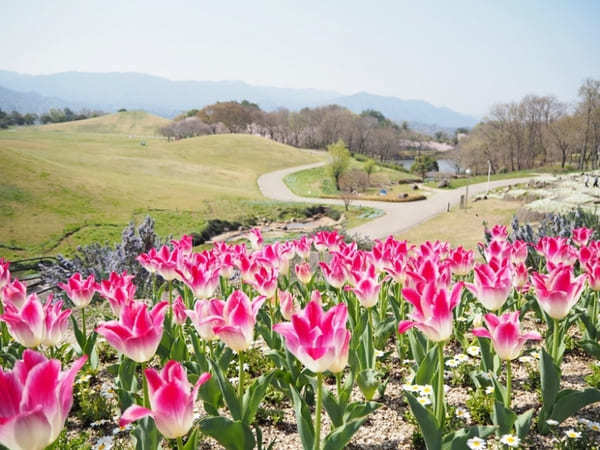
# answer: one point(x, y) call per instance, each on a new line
point(302, 343)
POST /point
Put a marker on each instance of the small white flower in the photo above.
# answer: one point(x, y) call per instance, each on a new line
point(378, 353)
point(552, 422)
point(597, 363)
point(462, 413)
point(425, 389)
point(510, 439)
point(594, 426)
point(410, 387)
point(446, 389)
point(461, 357)
point(536, 354)
point(473, 350)
point(424, 401)
point(526, 359)
point(452, 363)
point(583, 420)
point(489, 390)
point(572, 434)
point(104, 443)
point(476, 443)
point(486, 376)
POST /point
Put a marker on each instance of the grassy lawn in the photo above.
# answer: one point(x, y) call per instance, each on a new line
point(464, 226)
point(54, 181)
point(318, 181)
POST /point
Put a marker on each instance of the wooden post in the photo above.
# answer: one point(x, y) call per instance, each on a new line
point(462, 201)
point(466, 194)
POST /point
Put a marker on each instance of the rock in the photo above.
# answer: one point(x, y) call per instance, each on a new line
point(444, 183)
point(415, 187)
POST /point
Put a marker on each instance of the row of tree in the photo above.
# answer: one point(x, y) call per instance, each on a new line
point(54, 115)
point(537, 131)
point(369, 133)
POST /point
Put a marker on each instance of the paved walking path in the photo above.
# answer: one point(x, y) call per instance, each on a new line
point(398, 216)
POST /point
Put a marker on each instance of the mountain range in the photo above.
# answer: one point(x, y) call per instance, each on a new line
point(167, 98)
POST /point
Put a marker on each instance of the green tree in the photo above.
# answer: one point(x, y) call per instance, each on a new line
point(340, 160)
point(369, 168)
point(424, 164)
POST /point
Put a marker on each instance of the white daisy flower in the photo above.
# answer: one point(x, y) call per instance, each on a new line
point(594, 426)
point(461, 357)
point(473, 350)
point(597, 363)
point(486, 376)
point(572, 434)
point(452, 363)
point(410, 387)
point(425, 389)
point(476, 443)
point(526, 359)
point(583, 420)
point(489, 390)
point(462, 413)
point(510, 439)
point(446, 389)
point(424, 401)
point(536, 354)
point(104, 443)
point(378, 353)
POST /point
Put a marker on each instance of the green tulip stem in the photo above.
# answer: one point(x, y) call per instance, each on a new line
point(241, 374)
point(439, 400)
point(83, 325)
point(179, 443)
point(145, 385)
point(507, 400)
point(317, 443)
point(338, 383)
point(555, 341)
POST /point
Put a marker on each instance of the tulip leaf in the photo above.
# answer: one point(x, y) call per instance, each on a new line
point(228, 391)
point(487, 356)
point(192, 441)
point(457, 440)
point(253, 396)
point(339, 437)
point(500, 392)
point(146, 435)
point(550, 381)
point(334, 409)
point(568, 402)
point(179, 350)
point(427, 423)
point(367, 382)
point(592, 348)
point(233, 435)
point(303, 418)
point(503, 417)
point(79, 337)
point(358, 410)
point(523, 423)
point(418, 345)
point(427, 368)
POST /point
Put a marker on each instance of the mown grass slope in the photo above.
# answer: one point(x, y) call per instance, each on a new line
point(135, 123)
point(55, 182)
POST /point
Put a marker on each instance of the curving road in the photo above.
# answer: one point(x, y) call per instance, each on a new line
point(398, 216)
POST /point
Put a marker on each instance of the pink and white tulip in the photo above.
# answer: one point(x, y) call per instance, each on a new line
point(265, 281)
point(36, 399)
point(178, 308)
point(288, 305)
point(235, 325)
point(36, 324)
point(505, 333)
point(461, 261)
point(80, 291)
point(119, 290)
point(14, 293)
point(367, 287)
point(498, 233)
point(592, 270)
point(581, 236)
point(432, 310)
point(138, 331)
point(558, 291)
point(203, 316)
point(185, 245)
point(519, 252)
point(172, 399)
point(303, 246)
point(255, 238)
point(334, 272)
point(557, 251)
point(318, 339)
point(303, 272)
point(492, 284)
point(200, 278)
point(4, 272)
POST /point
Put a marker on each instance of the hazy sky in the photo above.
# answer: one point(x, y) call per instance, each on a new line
point(462, 54)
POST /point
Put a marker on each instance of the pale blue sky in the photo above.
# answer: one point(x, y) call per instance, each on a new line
point(462, 54)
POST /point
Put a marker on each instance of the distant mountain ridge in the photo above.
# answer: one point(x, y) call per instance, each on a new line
point(114, 90)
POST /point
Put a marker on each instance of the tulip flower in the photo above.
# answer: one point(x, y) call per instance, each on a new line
point(492, 284)
point(432, 312)
point(36, 324)
point(318, 339)
point(203, 316)
point(334, 272)
point(172, 399)
point(520, 277)
point(505, 333)
point(498, 233)
point(201, 279)
point(303, 246)
point(367, 288)
point(119, 290)
point(589, 252)
point(316, 296)
point(498, 249)
point(330, 240)
point(80, 291)
point(581, 236)
point(179, 311)
point(508, 341)
point(265, 281)
point(185, 245)
point(288, 305)
point(461, 261)
point(592, 270)
point(4, 272)
point(558, 291)
point(255, 238)
point(14, 293)
point(235, 324)
point(303, 272)
point(423, 271)
point(556, 250)
point(138, 331)
point(36, 399)
point(519, 252)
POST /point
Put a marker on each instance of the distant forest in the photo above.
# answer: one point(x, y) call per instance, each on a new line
point(14, 118)
point(369, 133)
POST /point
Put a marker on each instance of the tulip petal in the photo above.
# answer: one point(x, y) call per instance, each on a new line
point(133, 413)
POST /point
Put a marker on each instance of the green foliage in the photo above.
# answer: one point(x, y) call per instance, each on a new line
point(593, 379)
point(340, 160)
point(480, 406)
point(424, 164)
point(77, 441)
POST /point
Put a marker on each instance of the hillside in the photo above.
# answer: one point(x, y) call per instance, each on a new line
point(112, 91)
point(32, 102)
point(55, 181)
point(135, 123)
